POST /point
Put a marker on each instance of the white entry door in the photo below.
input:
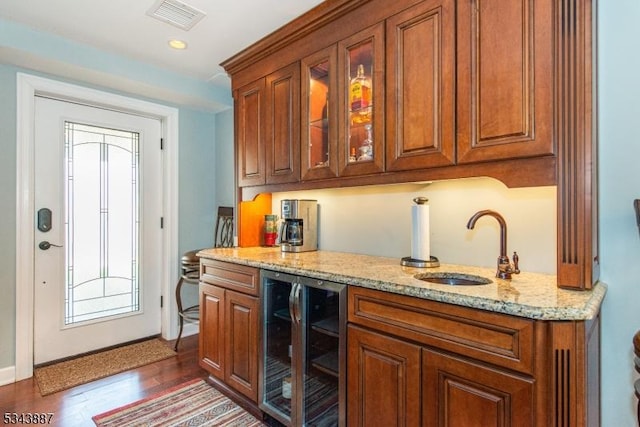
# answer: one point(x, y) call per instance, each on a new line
point(98, 241)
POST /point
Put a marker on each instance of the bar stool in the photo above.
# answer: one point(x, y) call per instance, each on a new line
point(636, 349)
point(190, 267)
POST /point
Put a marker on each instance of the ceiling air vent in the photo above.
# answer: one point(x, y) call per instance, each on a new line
point(176, 13)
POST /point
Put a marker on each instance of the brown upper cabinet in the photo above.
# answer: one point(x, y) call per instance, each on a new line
point(282, 139)
point(504, 83)
point(249, 128)
point(267, 116)
point(361, 102)
point(447, 89)
point(319, 131)
point(381, 93)
point(421, 86)
point(343, 107)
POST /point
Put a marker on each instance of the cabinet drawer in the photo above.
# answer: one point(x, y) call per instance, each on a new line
point(236, 277)
point(495, 338)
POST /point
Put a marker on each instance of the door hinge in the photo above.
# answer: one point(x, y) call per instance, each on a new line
point(161, 301)
point(162, 143)
point(161, 222)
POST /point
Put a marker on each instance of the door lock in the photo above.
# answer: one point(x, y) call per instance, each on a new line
point(44, 220)
point(44, 245)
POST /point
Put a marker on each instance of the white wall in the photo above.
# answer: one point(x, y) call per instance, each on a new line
point(377, 221)
point(619, 65)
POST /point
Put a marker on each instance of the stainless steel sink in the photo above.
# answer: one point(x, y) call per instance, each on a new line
point(454, 279)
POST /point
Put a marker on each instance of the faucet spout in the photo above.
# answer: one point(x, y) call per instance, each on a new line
point(501, 221)
point(505, 269)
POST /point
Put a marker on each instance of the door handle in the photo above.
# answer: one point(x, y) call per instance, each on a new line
point(44, 245)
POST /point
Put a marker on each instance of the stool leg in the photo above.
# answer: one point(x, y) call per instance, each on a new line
point(179, 302)
point(179, 333)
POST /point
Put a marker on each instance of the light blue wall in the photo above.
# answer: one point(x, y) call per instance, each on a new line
point(7, 214)
point(197, 181)
point(619, 86)
point(225, 168)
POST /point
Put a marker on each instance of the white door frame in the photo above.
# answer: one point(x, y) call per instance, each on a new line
point(28, 86)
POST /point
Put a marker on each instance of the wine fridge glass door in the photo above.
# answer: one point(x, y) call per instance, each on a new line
point(323, 354)
point(277, 350)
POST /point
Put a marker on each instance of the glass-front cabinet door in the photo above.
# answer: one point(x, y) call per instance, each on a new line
point(319, 130)
point(361, 62)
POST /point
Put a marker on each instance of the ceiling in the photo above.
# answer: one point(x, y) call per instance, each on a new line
point(123, 27)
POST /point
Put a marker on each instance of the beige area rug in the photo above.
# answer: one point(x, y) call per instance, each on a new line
point(70, 373)
point(194, 403)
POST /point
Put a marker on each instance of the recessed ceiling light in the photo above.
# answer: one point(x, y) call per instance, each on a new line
point(178, 44)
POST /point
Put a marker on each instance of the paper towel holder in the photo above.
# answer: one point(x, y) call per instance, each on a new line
point(407, 261)
point(412, 262)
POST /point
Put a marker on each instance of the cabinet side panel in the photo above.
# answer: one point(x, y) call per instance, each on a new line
point(576, 373)
point(578, 264)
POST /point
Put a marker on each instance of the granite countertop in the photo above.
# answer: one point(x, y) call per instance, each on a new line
point(529, 295)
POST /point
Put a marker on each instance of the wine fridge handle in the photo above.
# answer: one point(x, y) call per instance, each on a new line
point(292, 301)
point(298, 304)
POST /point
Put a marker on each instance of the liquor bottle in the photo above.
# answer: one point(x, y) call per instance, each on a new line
point(352, 155)
point(360, 97)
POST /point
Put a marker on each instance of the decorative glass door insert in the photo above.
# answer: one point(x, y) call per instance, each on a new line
point(102, 222)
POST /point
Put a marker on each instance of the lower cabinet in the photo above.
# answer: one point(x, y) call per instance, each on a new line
point(413, 362)
point(211, 338)
point(383, 380)
point(396, 383)
point(229, 330)
point(459, 393)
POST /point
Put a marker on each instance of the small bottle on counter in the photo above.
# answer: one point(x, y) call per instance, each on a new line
point(270, 229)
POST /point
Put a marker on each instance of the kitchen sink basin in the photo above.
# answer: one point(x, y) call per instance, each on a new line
point(454, 279)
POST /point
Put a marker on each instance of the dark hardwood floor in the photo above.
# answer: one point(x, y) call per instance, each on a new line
point(75, 407)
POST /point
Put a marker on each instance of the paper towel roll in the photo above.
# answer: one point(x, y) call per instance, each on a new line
point(420, 232)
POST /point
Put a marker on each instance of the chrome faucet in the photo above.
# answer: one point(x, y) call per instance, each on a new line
point(505, 268)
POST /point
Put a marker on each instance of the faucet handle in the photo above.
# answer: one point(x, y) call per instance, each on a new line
point(516, 258)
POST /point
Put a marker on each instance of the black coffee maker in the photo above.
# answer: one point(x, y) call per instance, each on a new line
point(299, 229)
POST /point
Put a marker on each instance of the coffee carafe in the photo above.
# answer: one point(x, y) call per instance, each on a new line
point(299, 228)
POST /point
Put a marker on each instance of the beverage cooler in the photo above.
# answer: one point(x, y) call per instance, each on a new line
point(302, 377)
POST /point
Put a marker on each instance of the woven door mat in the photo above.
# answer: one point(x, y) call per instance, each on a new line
point(84, 369)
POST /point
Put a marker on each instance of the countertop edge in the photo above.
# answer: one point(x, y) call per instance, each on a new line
point(589, 311)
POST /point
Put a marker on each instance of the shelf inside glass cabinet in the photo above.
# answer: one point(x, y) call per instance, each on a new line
point(328, 326)
point(327, 363)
